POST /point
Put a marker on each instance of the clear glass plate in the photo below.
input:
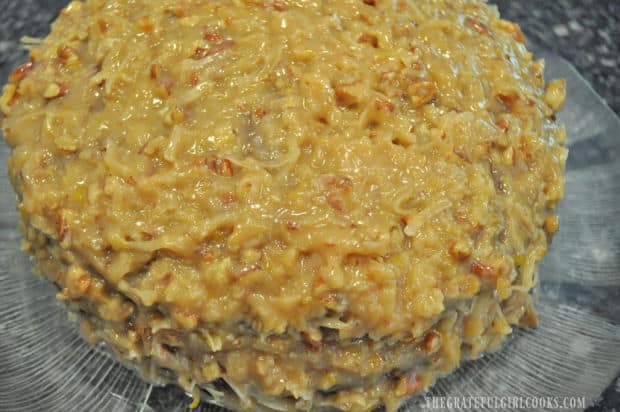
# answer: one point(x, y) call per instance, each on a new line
point(46, 366)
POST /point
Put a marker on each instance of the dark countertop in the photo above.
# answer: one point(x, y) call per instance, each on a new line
point(584, 32)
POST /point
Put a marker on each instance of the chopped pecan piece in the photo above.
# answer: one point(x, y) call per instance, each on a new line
point(552, 224)
point(211, 35)
point(55, 90)
point(334, 201)
point(503, 124)
point(481, 269)
point(278, 5)
point(62, 226)
point(432, 341)
point(20, 72)
point(382, 104)
point(555, 94)
point(370, 39)
point(103, 25)
point(291, 225)
point(314, 340)
point(460, 251)
point(509, 99)
point(222, 167)
point(202, 53)
point(421, 93)
point(478, 26)
point(513, 29)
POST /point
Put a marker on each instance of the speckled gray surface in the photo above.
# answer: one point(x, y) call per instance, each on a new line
point(584, 32)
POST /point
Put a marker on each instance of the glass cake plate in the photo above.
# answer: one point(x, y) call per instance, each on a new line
point(575, 352)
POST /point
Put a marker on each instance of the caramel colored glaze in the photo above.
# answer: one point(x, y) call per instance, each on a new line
point(290, 204)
